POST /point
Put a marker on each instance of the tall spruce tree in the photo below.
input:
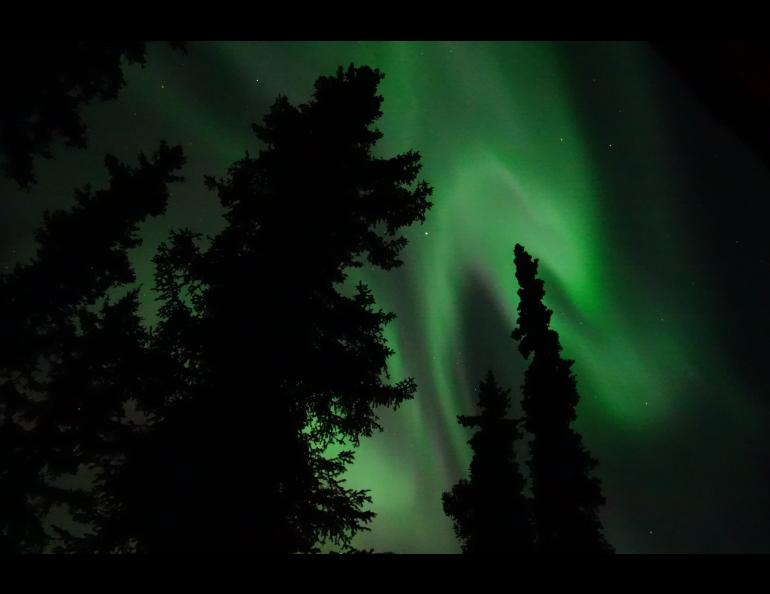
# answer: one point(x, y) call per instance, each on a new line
point(276, 361)
point(567, 497)
point(73, 353)
point(490, 511)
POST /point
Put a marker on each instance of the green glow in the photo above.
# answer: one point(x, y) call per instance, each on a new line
point(495, 184)
point(503, 144)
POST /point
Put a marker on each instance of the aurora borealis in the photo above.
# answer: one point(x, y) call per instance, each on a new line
point(647, 216)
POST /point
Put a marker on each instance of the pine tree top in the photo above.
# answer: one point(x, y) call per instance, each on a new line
point(533, 331)
point(567, 497)
point(489, 510)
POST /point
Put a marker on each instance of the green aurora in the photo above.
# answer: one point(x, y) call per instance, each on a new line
point(508, 140)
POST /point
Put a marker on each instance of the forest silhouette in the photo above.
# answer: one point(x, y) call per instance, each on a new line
point(227, 427)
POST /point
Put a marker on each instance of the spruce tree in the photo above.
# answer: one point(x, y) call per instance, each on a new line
point(489, 510)
point(277, 361)
point(73, 352)
point(567, 496)
point(214, 430)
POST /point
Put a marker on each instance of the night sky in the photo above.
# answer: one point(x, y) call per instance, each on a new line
point(648, 214)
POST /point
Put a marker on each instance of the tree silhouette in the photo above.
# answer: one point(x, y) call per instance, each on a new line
point(72, 346)
point(490, 511)
point(275, 361)
point(48, 83)
point(567, 497)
